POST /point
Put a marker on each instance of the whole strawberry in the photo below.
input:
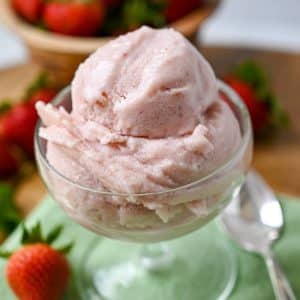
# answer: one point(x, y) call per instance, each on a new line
point(250, 83)
point(74, 18)
point(37, 271)
point(29, 9)
point(17, 124)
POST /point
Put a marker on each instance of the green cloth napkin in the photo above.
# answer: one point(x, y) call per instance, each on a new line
point(253, 281)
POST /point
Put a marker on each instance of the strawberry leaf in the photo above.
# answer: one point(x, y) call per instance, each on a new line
point(25, 233)
point(131, 14)
point(251, 73)
point(42, 81)
point(9, 214)
point(279, 116)
point(36, 232)
point(5, 106)
point(5, 253)
point(33, 235)
point(65, 249)
point(54, 234)
point(137, 12)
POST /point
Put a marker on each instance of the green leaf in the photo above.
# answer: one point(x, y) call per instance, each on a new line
point(5, 253)
point(10, 216)
point(138, 12)
point(253, 74)
point(6, 192)
point(5, 106)
point(65, 249)
point(40, 82)
point(279, 118)
point(36, 232)
point(130, 14)
point(33, 235)
point(25, 233)
point(54, 234)
point(250, 72)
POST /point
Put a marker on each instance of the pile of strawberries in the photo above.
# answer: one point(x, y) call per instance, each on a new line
point(17, 125)
point(98, 17)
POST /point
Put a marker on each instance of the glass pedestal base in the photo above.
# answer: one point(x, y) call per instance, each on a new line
point(200, 265)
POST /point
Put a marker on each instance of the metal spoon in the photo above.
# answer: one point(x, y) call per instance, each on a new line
point(254, 219)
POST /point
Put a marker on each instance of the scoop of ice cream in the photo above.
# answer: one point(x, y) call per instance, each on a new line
point(148, 83)
point(125, 164)
point(146, 117)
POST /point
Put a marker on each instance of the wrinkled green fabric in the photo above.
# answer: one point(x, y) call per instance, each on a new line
point(252, 283)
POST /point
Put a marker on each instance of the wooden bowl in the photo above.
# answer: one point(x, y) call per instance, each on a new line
point(60, 54)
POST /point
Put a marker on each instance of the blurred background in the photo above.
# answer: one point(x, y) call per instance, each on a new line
point(263, 24)
point(253, 45)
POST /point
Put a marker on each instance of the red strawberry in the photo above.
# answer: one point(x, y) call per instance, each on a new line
point(17, 123)
point(249, 80)
point(37, 271)
point(176, 9)
point(29, 9)
point(82, 19)
point(8, 163)
point(258, 110)
point(46, 95)
point(17, 126)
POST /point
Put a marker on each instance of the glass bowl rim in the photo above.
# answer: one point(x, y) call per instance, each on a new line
point(246, 136)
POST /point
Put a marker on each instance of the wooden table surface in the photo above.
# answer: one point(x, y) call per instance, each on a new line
point(277, 159)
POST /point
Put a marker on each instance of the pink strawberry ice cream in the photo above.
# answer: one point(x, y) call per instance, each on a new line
point(146, 117)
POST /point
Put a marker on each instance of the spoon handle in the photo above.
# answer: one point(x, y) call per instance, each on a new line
point(281, 286)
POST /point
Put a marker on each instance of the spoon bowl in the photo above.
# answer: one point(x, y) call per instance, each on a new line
point(254, 219)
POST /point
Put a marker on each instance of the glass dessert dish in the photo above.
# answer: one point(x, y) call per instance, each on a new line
point(189, 207)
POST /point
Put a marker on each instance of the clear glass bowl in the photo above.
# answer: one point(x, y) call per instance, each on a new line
point(93, 208)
